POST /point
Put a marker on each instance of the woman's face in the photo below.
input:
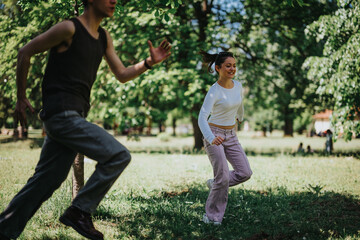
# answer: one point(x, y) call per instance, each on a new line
point(227, 69)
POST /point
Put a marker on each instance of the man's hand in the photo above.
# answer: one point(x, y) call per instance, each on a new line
point(20, 111)
point(160, 53)
point(218, 140)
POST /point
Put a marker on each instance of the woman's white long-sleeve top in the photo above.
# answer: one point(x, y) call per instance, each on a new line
point(223, 105)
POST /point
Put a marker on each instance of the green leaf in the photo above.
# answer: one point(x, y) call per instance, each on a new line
point(172, 10)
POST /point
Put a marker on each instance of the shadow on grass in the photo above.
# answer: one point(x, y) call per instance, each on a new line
point(59, 237)
point(274, 152)
point(273, 214)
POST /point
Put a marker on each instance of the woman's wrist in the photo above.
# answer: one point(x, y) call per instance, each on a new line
point(211, 140)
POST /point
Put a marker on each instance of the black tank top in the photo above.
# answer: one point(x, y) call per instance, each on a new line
point(70, 75)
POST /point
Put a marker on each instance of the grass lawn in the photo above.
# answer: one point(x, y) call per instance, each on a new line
point(162, 196)
point(274, 144)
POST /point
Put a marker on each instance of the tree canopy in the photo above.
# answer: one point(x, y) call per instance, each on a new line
point(337, 71)
point(294, 58)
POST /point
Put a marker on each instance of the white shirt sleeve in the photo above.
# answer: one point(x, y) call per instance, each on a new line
point(240, 112)
point(205, 111)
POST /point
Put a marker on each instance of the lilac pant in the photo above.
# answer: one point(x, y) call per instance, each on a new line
point(232, 151)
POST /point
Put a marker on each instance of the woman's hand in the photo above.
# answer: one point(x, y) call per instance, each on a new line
point(217, 141)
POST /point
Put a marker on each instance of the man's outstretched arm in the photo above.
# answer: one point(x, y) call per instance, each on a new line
point(124, 74)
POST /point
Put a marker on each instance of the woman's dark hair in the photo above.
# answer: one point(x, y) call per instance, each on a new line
point(217, 58)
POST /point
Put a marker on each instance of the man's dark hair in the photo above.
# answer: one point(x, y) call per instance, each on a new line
point(85, 3)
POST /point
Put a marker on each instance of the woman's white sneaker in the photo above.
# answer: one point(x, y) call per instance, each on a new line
point(210, 183)
point(208, 221)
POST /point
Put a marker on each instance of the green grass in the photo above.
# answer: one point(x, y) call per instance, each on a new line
point(162, 196)
point(272, 145)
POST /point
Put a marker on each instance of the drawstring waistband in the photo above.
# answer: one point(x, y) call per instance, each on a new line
point(221, 130)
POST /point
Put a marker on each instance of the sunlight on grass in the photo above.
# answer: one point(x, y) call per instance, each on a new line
point(274, 143)
point(162, 196)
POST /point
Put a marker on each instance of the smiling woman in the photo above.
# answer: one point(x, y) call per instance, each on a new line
point(224, 102)
point(227, 71)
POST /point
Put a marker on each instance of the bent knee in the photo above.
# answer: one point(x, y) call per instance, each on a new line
point(242, 177)
point(125, 157)
point(122, 158)
point(247, 176)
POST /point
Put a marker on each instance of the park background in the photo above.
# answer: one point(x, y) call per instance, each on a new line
point(295, 59)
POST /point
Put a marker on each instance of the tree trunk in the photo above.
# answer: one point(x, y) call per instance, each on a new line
point(197, 134)
point(174, 126)
point(148, 130)
point(202, 14)
point(78, 174)
point(161, 126)
point(264, 131)
point(288, 127)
